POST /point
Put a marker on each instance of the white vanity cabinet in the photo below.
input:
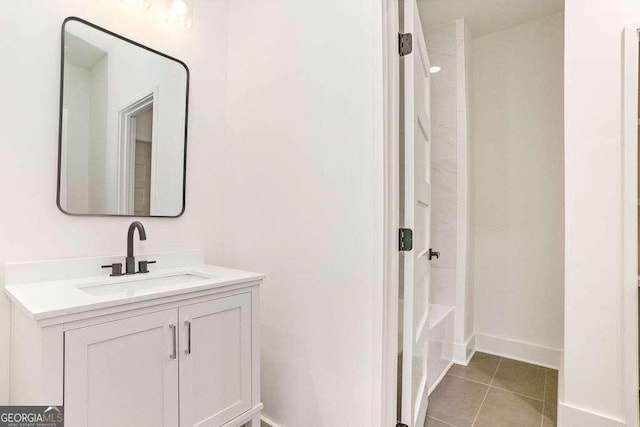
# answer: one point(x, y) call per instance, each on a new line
point(134, 364)
point(215, 360)
point(187, 359)
point(121, 372)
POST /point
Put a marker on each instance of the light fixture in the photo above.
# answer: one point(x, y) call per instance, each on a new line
point(434, 69)
point(180, 13)
point(137, 4)
point(179, 7)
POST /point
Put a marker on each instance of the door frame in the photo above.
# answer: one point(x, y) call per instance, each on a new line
point(126, 150)
point(391, 211)
point(631, 74)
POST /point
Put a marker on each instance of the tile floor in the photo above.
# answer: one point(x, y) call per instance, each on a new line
point(494, 391)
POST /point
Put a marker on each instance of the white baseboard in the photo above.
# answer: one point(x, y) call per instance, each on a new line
point(266, 421)
point(518, 350)
point(571, 416)
point(442, 375)
point(463, 352)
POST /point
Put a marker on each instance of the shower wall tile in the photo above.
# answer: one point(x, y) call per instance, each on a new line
point(443, 177)
point(444, 215)
point(443, 284)
point(444, 243)
point(441, 45)
point(447, 47)
point(443, 121)
point(441, 41)
point(443, 231)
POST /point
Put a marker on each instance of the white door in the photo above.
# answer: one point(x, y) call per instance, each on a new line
point(215, 361)
point(417, 216)
point(123, 373)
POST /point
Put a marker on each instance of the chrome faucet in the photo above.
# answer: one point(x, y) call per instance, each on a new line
point(130, 264)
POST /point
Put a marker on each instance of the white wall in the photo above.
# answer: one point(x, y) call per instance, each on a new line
point(77, 102)
point(593, 355)
point(31, 226)
point(304, 178)
point(517, 163)
point(98, 135)
point(84, 149)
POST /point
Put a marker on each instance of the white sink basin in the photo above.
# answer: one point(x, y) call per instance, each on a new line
point(139, 284)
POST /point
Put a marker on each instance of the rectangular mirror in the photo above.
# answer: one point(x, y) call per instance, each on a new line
point(123, 126)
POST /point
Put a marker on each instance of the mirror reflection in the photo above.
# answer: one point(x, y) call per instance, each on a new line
point(122, 126)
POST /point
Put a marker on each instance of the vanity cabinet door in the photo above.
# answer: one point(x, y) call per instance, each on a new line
point(123, 373)
point(215, 361)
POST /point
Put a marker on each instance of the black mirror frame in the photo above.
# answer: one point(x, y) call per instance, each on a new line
point(186, 120)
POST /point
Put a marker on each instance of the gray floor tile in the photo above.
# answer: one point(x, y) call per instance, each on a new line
point(550, 413)
point(520, 377)
point(551, 399)
point(505, 409)
point(456, 401)
point(551, 390)
point(481, 368)
point(432, 422)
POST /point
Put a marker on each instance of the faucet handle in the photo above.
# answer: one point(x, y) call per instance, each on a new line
point(116, 269)
point(143, 266)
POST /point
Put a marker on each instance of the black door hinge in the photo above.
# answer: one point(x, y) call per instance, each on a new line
point(401, 425)
point(405, 43)
point(405, 239)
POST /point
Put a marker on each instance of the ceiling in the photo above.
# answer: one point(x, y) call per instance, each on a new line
point(485, 16)
point(81, 53)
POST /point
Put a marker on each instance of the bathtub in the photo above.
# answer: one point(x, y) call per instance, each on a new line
point(440, 349)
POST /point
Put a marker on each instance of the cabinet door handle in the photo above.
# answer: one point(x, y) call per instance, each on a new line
point(174, 342)
point(188, 349)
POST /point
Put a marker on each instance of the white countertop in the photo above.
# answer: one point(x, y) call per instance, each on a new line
point(43, 300)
